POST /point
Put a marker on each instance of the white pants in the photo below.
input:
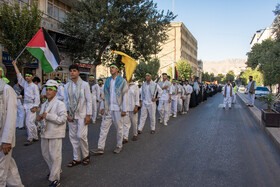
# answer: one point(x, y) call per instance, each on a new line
point(145, 109)
point(187, 103)
point(98, 104)
point(251, 99)
point(227, 100)
point(9, 175)
point(113, 117)
point(179, 104)
point(20, 114)
point(164, 110)
point(129, 119)
point(78, 132)
point(32, 132)
point(94, 109)
point(174, 107)
point(234, 98)
point(52, 153)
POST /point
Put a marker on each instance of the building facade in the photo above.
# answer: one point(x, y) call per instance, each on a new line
point(181, 45)
point(54, 12)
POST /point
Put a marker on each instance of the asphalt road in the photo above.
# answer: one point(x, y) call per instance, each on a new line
point(207, 147)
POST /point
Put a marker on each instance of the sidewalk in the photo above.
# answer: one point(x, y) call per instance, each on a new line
point(272, 132)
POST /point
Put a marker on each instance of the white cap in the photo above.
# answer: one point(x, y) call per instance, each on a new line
point(51, 83)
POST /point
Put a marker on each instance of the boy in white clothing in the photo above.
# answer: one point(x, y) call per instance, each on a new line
point(53, 116)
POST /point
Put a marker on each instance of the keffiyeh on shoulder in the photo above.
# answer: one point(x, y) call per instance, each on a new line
point(121, 88)
point(74, 97)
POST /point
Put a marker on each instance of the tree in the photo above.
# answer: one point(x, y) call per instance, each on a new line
point(229, 76)
point(151, 66)
point(170, 72)
point(184, 69)
point(211, 77)
point(133, 27)
point(220, 78)
point(257, 76)
point(18, 25)
point(205, 77)
point(266, 57)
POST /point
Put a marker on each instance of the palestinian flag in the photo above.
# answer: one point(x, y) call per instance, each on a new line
point(44, 49)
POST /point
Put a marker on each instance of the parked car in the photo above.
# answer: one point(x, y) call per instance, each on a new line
point(261, 91)
point(241, 89)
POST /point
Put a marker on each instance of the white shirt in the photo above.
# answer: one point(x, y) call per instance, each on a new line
point(114, 105)
point(85, 101)
point(101, 88)
point(148, 96)
point(95, 92)
point(180, 91)
point(174, 89)
point(133, 95)
point(31, 93)
point(166, 92)
point(249, 85)
point(60, 93)
point(8, 126)
point(55, 119)
point(227, 87)
point(188, 89)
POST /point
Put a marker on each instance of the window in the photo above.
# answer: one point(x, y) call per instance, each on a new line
point(55, 11)
point(62, 15)
point(50, 9)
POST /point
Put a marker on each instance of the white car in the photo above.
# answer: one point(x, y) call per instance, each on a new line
point(261, 91)
point(241, 88)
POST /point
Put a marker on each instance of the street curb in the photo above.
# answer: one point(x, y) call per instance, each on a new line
point(272, 132)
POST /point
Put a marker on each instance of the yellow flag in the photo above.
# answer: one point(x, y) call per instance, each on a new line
point(129, 64)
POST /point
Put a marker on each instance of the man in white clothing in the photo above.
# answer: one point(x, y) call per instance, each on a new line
point(101, 89)
point(174, 98)
point(180, 97)
point(165, 99)
point(31, 104)
point(148, 100)
point(9, 175)
point(131, 117)
point(53, 116)
point(252, 85)
point(227, 93)
point(95, 94)
point(188, 91)
point(20, 108)
point(79, 108)
point(113, 109)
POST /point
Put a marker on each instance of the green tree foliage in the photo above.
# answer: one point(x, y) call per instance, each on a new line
point(266, 57)
point(230, 76)
point(257, 76)
point(184, 69)
point(170, 72)
point(133, 27)
point(18, 25)
point(220, 79)
point(151, 66)
point(212, 77)
point(205, 77)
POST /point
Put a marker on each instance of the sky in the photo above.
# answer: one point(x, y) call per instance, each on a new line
point(223, 28)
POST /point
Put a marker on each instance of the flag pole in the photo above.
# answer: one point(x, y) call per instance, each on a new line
point(20, 53)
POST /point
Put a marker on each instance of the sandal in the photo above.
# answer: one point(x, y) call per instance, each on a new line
point(74, 163)
point(86, 161)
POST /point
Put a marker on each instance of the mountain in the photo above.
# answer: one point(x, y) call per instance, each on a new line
point(224, 66)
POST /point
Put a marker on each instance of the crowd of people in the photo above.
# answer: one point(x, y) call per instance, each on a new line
point(79, 103)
